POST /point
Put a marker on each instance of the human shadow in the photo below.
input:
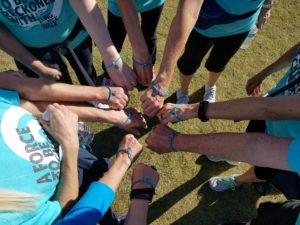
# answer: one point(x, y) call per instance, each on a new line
point(197, 96)
point(208, 169)
point(221, 207)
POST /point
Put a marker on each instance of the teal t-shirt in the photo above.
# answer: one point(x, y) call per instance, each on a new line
point(236, 8)
point(287, 128)
point(38, 23)
point(140, 5)
point(28, 162)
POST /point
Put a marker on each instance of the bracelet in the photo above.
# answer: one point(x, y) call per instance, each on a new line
point(174, 113)
point(202, 111)
point(110, 94)
point(171, 137)
point(129, 115)
point(267, 6)
point(144, 194)
point(129, 153)
point(145, 180)
point(156, 90)
point(114, 64)
point(143, 65)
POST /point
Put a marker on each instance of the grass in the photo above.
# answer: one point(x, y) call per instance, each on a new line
point(183, 196)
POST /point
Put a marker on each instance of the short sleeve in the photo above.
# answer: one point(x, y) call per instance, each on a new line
point(9, 97)
point(294, 155)
point(90, 209)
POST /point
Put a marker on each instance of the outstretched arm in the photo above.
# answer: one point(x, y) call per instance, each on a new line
point(13, 47)
point(181, 27)
point(137, 41)
point(253, 84)
point(91, 17)
point(255, 148)
point(251, 108)
point(38, 90)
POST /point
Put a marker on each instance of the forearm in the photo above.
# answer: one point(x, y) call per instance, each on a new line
point(51, 91)
point(255, 148)
point(251, 108)
point(181, 27)
point(138, 212)
point(13, 47)
point(67, 190)
point(92, 19)
point(282, 62)
point(114, 175)
point(135, 34)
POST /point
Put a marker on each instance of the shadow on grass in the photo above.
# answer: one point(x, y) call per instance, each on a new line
point(106, 142)
point(208, 169)
point(196, 97)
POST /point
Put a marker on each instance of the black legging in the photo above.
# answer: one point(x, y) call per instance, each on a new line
point(149, 22)
point(51, 57)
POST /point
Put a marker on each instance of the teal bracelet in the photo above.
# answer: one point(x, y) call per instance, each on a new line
point(171, 137)
point(114, 64)
point(129, 115)
point(143, 65)
point(110, 94)
point(156, 90)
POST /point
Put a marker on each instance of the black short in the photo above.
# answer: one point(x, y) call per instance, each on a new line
point(223, 49)
point(283, 213)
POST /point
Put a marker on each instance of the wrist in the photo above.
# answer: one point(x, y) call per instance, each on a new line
point(123, 160)
point(191, 111)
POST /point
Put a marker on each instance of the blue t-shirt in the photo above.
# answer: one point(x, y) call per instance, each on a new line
point(140, 5)
point(287, 128)
point(236, 8)
point(28, 162)
point(38, 23)
point(90, 209)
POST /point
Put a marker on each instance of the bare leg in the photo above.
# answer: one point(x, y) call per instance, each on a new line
point(212, 78)
point(185, 82)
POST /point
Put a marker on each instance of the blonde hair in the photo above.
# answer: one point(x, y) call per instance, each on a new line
point(13, 201)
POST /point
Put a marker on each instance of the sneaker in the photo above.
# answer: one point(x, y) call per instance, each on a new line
point(223, 183)
point(220, 159)
point(210, 93)
point(182, 98)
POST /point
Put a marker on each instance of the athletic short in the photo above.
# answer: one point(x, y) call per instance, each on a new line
point(222, 50)
point(283, 213)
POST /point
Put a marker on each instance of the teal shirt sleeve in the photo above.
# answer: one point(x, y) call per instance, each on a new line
point(9, 97)
point(91, 207)
point(294, 155)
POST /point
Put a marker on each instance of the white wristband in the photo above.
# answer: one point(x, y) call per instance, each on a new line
point(267, 6)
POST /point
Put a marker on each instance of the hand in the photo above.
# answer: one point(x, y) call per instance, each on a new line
point(129, 141)
point(119, 98)
point(165, 114)
point(136, 120)
point(123, 76)
point(63, 126)
point(158, 139)
point(140, 171)
point(253, 86)
point(50, 73)
point(151, 104)
point(144, 71)
point(263, 17)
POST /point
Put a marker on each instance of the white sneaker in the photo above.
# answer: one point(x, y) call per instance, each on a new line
point(220, 159)
point(182, 98)
point(210, 93)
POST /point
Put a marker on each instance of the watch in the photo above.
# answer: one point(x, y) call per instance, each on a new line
point(202, 111)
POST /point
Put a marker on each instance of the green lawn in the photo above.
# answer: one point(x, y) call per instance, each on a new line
point(183, 196)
